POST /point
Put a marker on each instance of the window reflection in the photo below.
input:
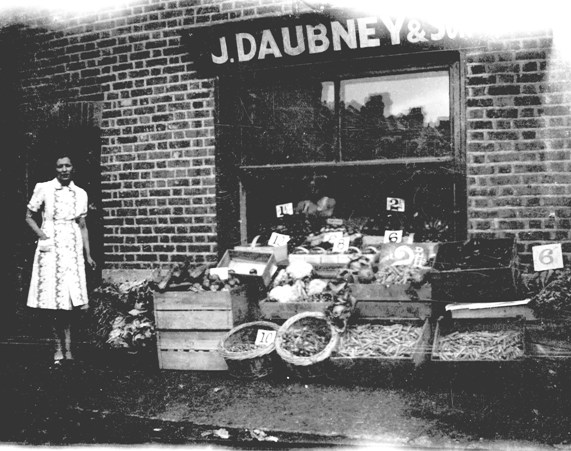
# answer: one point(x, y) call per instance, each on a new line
point(397, 116)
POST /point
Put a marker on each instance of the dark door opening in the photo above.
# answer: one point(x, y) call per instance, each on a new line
point(82, 141)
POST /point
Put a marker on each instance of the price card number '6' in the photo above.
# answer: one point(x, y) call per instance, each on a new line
point(548, 256)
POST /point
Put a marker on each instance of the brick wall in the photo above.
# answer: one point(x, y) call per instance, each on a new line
point(518, 147)
point(158, 132)
point(157, 151)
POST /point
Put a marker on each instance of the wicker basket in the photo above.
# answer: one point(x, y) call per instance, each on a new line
point(312, 366)
point(251, 364)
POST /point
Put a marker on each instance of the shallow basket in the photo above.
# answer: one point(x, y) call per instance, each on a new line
point(311, 366)
point(252, 364)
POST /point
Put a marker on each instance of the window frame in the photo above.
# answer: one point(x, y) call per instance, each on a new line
point(230, 173)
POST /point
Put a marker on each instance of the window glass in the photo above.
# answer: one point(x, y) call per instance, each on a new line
point(286, 123)
point(396, 116)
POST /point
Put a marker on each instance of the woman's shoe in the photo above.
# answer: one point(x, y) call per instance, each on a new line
point(57, 364)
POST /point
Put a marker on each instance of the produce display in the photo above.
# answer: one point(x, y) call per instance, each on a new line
point(307, 337)
point(213, 282)
point(480, 345)
point(296, 284)
point(121, 315)
point(181, 277)
point(553, 298)
point(397, 275)
point(376, 340)
point(474, 254)
point(241, 347)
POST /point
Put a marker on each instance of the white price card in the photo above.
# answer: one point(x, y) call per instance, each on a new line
point(548, 256)
point(395, 204)
point(265, 337)
point(341, 245)
point(393, 236)
point(332, 237)
point(284, 209)
point(336, 222)
point(277, 239)
point(220, 272)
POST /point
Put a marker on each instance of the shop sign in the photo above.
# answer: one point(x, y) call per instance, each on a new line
point(302, 39)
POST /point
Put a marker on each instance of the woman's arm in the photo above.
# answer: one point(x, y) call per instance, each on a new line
point(34, 225)
point(85, 236)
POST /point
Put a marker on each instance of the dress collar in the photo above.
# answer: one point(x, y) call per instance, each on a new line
point(58, 185)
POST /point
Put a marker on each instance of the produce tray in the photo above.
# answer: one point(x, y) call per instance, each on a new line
point(475, 271)
point(400, 292)
point(322, 259)
point(281, 311)
point(421, 347)
point(549, 339)
point(364, 309)
point(244, 262)
point(380, 370)
point(479, 350)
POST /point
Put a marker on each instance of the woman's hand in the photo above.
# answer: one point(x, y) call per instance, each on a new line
point(92, 264)
point(43, 236)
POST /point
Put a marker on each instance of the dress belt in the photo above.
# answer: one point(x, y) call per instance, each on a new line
point(62, 221)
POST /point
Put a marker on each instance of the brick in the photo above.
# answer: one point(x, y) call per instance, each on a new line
point(500, 90)
point(527, 100)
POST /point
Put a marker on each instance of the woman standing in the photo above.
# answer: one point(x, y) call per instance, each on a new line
point(58, 282)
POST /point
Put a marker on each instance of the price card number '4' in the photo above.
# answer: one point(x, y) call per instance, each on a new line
point(284, 209)
point(265, 337)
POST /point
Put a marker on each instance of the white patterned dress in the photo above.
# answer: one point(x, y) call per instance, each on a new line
point(58, 274)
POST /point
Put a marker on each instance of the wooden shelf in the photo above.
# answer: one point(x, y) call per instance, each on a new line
point(347, 164)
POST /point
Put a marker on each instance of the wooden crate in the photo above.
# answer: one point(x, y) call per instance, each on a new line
point(446, 326)
point(491, 276)
point(184, 310)
point(190, 350)
point(364, 309)
point(384, 370)
point(400, 292)
point(243, 262)
point(549, 338)
point(376, 301)
point(281, 311)
point(190, 325)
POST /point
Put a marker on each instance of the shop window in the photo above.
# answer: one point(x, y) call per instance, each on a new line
point(357, 137)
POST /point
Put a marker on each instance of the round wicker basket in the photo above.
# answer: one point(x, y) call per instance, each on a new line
point(250, 364)
point(314, 365)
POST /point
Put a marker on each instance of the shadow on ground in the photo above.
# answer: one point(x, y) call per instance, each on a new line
point(123, 399)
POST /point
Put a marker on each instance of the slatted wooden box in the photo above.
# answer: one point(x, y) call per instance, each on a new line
point(190, 326)
point(478, 349)
point(372, 303)
point(384, 370)
point(476, 271)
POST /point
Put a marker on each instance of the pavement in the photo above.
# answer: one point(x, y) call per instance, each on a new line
point(119, 399)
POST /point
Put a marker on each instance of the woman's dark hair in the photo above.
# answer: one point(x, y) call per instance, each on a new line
point(59, 155)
